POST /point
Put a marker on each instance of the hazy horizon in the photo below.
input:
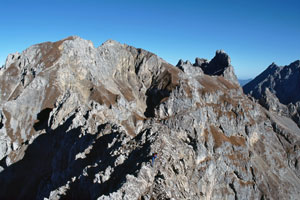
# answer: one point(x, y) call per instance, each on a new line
point(254, 34)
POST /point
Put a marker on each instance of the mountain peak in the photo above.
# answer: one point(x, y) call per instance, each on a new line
point(200, 62)
point(118, 122)
point(220, 65)
point(111, 42)
point(277, 89)
point(283, 80)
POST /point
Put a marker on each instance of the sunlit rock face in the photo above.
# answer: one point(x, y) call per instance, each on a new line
point(80, 122)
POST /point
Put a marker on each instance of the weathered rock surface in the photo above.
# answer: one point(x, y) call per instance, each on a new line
point(80, 122)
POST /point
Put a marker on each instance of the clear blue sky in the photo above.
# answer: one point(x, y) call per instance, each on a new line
point(253, 33)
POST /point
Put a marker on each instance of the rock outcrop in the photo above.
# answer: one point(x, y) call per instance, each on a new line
point(220, 65)
point(80, 122)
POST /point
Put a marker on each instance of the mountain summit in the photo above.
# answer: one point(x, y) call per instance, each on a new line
point(277, 89)
point(117, 122)
point(283, 81)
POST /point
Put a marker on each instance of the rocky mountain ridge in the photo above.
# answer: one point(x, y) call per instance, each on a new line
point(283, 81)
point(82, 122)
point(277, 89)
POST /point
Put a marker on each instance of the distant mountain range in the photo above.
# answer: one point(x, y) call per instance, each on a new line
point(244, 81)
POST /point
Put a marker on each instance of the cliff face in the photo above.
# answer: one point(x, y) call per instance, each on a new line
point(82, 122)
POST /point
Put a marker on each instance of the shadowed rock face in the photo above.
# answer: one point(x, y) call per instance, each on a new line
point(218, 64)
point(80, 122)
point(283, 82)
point(277, 89)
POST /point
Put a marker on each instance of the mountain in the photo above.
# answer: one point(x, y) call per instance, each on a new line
point(277, 89)
point(244, 81)
point(83, 122)
point(283, 81)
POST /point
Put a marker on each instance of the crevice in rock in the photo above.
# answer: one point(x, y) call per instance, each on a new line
point(139, 61)
point(205, 145)
point(23, 75)
point(154, 98)
point(234, 190)
point(192, 142)
point(175, 170)
point(160, 89)
point(277, 130)
point(221, 128)
point(33, 72)
point(1, 119)
point(3, 162)
point(253, 177)
point(237, 175)
point(42, 118)
point(247, 131)
point(86, 116)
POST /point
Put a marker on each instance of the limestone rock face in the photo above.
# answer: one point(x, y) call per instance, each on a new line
point(82, 122)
